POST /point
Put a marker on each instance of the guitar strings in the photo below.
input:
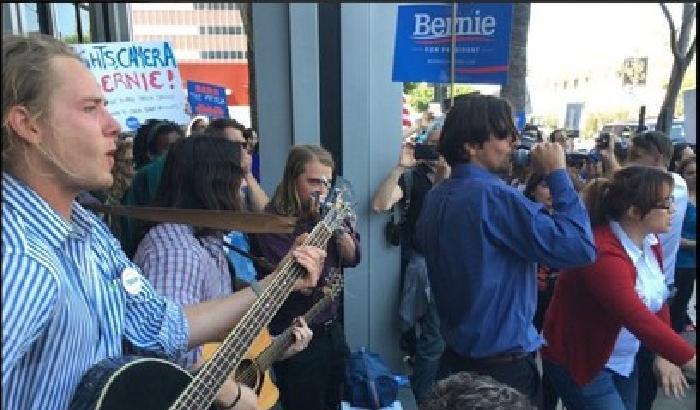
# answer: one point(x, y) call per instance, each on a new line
point(290, 272)
point(249, 376)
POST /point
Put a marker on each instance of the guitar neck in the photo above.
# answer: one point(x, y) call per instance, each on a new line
point(285, 339)
point(200, 393)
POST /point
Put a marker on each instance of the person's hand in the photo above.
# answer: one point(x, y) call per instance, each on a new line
point(442, 169)
point(229, 391)
point(546, 157)
point(302, 337)
point(407, 157)
point(312, 259)
point(670, 377)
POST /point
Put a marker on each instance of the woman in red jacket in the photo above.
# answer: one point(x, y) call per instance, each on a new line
point(599, 313)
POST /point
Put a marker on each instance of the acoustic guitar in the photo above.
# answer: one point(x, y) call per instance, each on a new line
point(254, 368)
point(154, 384)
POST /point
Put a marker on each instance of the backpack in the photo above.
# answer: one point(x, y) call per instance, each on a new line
point(369, 382)
point(392, 230)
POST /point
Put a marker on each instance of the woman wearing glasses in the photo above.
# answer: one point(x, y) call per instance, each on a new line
point(600, 313)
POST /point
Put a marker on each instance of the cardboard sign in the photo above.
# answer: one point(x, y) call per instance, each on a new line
point(140, 80)
point(207, 99)
point(423, 45)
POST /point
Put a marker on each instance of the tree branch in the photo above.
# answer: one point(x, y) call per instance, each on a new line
point(672, 29)
point(691, 52)
point(686, 27)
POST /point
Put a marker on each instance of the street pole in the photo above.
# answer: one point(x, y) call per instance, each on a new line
point(453, 53)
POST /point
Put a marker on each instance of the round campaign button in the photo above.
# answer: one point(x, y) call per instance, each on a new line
point(132, 281)
point(132, 123)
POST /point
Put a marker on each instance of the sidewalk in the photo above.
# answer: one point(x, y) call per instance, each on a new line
point(662, 402)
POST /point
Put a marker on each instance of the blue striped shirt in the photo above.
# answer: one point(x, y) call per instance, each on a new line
point(64, 307)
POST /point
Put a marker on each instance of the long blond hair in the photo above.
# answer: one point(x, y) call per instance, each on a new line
point(286, 200)
point(27, 80)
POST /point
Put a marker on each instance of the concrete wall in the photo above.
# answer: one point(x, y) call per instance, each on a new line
point(286, 52)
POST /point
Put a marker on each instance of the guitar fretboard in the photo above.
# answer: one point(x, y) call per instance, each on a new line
point(200, 393)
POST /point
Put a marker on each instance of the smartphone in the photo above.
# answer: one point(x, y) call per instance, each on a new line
point(427, 152)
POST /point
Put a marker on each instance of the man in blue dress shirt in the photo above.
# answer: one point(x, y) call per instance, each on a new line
point(482, 240)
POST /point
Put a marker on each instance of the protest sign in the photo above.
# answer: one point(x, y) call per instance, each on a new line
point(423, 44)
point(207, 99)
point(140, 80)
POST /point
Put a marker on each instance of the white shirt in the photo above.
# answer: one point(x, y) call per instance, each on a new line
point(651, 289)
point(671, 240)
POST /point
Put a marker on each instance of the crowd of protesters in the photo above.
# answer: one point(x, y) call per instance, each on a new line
point(514, 249)
point(530, 249)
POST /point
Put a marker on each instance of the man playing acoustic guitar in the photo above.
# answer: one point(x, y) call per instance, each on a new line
point(70, 295)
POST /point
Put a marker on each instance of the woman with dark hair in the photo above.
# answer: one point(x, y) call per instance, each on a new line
point(310, 380)
point(600, 313)
point(186, 263)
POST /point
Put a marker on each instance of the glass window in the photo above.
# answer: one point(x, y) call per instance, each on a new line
point(66, 22)
point(201, 30)
point(84, 9)
point(29, 17)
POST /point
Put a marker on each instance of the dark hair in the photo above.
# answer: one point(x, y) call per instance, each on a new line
point(217, 127)
point(471, 391)
point(141, 142)
point(473, 119)
point(201, 173)
point(154, 134)
point(684, 164)
point(553, 134)
point(531, 184)
point(639, 186)
point(651, 143)
point(678, 154)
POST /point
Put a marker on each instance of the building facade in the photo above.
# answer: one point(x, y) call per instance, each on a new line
point(210, 45)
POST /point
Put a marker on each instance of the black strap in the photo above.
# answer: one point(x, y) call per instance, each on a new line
point(263, 263)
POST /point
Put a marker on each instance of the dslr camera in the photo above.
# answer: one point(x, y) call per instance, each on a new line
point(621, 148)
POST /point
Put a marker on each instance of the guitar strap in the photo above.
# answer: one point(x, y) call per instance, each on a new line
point(227, 220)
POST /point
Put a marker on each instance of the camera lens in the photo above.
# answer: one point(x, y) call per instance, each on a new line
point(521, 157)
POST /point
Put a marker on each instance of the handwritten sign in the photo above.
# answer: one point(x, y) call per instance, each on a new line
point(207, 99)
point(140, 80)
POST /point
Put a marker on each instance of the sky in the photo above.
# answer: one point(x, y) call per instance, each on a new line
point(564, 34)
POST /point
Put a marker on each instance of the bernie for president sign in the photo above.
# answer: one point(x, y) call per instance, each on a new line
point(423, 48)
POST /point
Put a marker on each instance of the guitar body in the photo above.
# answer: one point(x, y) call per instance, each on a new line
point(267, 392)
point(130, 382)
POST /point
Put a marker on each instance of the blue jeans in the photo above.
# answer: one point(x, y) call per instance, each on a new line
point(607, 391)
point(429, 348)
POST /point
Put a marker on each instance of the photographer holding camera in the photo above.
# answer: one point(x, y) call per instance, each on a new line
point(419, 168)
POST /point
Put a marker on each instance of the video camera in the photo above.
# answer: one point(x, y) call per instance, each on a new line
point(521, 157)
point(620, 150)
